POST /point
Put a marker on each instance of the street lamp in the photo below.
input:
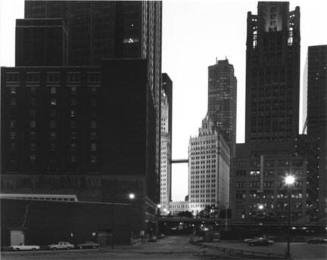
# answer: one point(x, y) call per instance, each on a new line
point(289, 181)
point(261, 206)
point(131, 196)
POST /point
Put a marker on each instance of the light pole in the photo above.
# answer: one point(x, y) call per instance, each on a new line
point(289, 181)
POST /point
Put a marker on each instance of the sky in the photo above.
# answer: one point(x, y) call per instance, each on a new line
point(195, 34)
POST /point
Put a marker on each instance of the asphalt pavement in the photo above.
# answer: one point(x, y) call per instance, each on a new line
point(170, 248)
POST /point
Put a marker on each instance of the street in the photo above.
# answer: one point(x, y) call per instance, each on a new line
point(167, 248)
point(172, 247)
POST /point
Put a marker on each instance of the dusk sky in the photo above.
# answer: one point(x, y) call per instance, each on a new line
point(195, 33)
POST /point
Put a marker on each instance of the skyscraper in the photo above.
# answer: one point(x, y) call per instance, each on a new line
point(222, 99)
point(272, 72)
point(84, 120)
point(209, 162)
point(272, 119)
point(317, 120)
point(98, 30)
point(166, 142)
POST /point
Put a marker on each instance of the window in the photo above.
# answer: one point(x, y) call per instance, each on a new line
point(52, 124)
point(33, 76)
point(12, 123)
point(12, 90)
point(93, 124)
point(73, 77)
point(72, 113)
point(53, 77)
point(73, 90)
point(93, 147)
point(12, 76)
point(32, 113)
point(13, 101)
point(53, 90)
point(53, 101)
point(32, 157)
point(93, 77)
point(32, 124)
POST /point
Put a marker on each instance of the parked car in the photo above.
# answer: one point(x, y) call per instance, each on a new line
point(152, 238)
point(260, 241)
point(61, 245)
point(25, 247)
point(247, 240)
point(317, 240)
point(88, 244)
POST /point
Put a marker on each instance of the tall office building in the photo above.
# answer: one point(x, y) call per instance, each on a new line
point(98, 30)
point(317, 121)
point(222, 99)
point(166, 142)
point(272, 72)
point(209, 162)
point(84, 120)
point(272, 119)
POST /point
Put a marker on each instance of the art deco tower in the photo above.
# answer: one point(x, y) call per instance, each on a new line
point(272, 72)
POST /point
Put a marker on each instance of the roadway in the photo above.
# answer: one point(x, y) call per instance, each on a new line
point(170, 248)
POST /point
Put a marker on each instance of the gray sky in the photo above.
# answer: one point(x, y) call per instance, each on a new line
point(195, 33)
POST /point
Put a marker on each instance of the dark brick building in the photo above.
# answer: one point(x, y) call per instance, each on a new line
point(82, 116)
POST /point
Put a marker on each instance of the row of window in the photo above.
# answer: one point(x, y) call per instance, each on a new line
point(52, 77)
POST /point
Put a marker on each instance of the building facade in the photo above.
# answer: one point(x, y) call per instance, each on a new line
point(272, 119)
point(85, 119)
point(166, 143)
point(110, 29)
point(272, 72)
point(222, 99)
point(176, 207)
point(258, 190)
point(209, 163)
point(317, 123)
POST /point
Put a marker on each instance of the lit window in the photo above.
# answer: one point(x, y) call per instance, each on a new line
point(53, 102)
point(12, 91)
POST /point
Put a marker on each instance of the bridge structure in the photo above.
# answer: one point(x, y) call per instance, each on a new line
point(179, 161)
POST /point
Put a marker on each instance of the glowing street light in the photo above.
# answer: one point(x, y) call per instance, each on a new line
point(131, 196)
point(289, 181)
point(261, 206)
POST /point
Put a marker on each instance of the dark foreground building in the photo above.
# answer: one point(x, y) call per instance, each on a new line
point(317, 125)
point(84, 119)
point(258, 192)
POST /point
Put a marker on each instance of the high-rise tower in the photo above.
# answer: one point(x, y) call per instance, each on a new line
point(272, 119)
point(222, 100)
point(272, 72)
point(166, 142)
point(98, 30)
point(80, 118)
